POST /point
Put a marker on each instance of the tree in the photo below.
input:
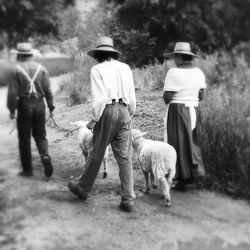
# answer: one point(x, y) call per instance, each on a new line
point(20, 19)
point(207, 24)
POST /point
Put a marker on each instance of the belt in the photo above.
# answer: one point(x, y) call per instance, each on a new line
point(120, 101)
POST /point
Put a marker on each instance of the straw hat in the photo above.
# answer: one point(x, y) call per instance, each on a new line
point(104, 44)
point(24, 49)
point(181, 48)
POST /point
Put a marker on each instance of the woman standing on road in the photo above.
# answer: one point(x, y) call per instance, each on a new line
point(183, 89)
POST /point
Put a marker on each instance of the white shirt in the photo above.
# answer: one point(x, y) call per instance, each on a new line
point(111, 80)
point(186, 83)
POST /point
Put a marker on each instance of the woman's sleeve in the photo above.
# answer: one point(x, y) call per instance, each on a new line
point(171, 81)
point(203, 84)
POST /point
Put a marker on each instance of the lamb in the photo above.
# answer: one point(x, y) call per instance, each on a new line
point(157, 159)
point(85, 142)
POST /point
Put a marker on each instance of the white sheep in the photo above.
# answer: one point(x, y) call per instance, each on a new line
point(85, 142)
point(157, 159)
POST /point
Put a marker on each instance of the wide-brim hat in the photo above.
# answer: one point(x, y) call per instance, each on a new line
point(24, 49)
point(104, 44)
point(181, 48)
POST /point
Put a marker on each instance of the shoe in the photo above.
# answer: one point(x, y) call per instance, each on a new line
point(179, 186)
point(48, 169)
point(126, 207)
point(76, 189)
point(25, 173)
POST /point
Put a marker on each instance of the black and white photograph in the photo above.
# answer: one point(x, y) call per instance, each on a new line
point(124, 125)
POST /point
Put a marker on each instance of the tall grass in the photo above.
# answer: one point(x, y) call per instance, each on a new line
point(224, 130)
point(151, 76)
point(77, 85)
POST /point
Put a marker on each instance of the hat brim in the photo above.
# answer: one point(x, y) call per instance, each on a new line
point(110, 50)
point(171, 55)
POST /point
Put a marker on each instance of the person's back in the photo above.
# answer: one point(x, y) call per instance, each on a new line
point(113, 103)
point(26, 91)
point(116, 81)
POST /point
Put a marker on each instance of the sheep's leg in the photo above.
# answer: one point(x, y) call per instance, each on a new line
point(165, 189)
point(147, 187)
point(85, 155)
point(105, 167)
point(152, 179)
point(170, 177)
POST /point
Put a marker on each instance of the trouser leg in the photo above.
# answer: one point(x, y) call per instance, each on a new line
point(100, 141)
point(122, 149)
point(24, 135)
point(39, 130)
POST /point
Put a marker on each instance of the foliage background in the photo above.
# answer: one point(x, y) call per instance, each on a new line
point(145, 29)
point(21, 19)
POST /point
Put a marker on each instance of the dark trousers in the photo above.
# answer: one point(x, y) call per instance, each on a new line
point(114, 128)
point(31, 119)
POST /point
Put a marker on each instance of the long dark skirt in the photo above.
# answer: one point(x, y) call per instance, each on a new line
point(185, 141)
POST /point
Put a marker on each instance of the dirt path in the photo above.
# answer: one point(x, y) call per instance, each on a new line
point(41, 214)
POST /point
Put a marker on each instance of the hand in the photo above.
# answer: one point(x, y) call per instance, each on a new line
point(12, 116)
point(91, 124)
point(51, 108)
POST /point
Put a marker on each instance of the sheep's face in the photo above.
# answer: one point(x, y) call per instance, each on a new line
point(80, 124)
point(136, 135)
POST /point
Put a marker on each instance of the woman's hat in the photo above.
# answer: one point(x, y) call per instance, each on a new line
point(24, 49)
point(104, 44)
point(181, 48)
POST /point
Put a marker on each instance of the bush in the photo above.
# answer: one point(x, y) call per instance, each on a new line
point(77, 87)
point(151, 76)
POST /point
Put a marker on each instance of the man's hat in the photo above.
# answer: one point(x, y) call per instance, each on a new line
point(24, 49)
point(104, 44)
point(181, 48)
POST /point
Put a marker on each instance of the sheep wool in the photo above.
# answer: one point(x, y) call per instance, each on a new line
point(156, 157)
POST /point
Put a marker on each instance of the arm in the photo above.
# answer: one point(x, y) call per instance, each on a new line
point(99, 98)
point(168, 96)
point(171, 86)
point(47, 91)
point(201, 94)
point(12, 95)
point(132, 101)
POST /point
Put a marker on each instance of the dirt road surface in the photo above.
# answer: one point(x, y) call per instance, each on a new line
point(41, 214)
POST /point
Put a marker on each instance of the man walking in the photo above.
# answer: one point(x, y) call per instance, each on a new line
point(113, 104)
point(30, 84)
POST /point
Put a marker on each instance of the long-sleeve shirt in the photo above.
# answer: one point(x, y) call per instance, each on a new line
point(19, 86)
point(111, 80)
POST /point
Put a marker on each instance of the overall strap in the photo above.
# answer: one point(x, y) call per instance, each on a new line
point(32, 85)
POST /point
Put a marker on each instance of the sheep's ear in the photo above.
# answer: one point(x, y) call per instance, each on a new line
point(144, 133)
